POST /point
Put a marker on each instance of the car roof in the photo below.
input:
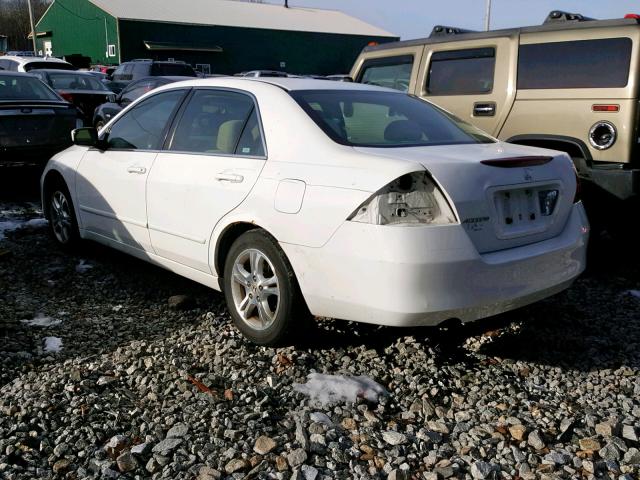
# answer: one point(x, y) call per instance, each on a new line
point(33, 59)
point(288, 84)
point(7, 73)
point(62, 70)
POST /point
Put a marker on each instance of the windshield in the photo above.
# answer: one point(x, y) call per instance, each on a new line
point(40, 65)
point(74, 81)
point(384, 119)
point(19, 87)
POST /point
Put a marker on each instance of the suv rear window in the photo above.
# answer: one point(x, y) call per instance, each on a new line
point(462, 72)
point(578, 64)
point(172, 70)
point(391, 72)
point(54, 65)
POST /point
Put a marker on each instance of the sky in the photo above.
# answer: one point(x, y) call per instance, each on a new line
point(415, 18)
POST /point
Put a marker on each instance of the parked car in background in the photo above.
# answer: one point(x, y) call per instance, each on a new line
point(569, 84)
point(106, 69)
point(26, 64)
point(35, 123)
point(21, 53)
point(131, 92)
point(127, 72)
point(264, 73)
point(336, 199)
point(82, 89)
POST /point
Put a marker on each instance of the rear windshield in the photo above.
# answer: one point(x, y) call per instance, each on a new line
point(53, 65)
point(172, 70)
point(24, 87)
point(73, 81)
point(600, 63)
point(384, 119)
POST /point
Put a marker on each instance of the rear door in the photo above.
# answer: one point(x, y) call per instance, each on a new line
point(111, 184)
point(212, 160)
point(474, 79)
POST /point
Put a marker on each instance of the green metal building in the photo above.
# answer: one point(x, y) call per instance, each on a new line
point(215, 36)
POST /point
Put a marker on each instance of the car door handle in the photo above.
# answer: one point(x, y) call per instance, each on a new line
point(484, 109)
point(229, 177)
point(139, 170)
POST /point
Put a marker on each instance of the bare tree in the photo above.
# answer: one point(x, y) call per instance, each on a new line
point(14, 21)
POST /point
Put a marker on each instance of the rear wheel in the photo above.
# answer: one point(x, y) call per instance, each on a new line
point(261, 290)
point(62, 219)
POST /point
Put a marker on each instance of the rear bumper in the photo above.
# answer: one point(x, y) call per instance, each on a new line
point(411, 276)
point(624, 183)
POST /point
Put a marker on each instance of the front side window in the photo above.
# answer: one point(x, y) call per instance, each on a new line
point(602, 63)
point(384, 119)
point(462, 72)
point(143, 127)
point(391, 72)
point(214, 121)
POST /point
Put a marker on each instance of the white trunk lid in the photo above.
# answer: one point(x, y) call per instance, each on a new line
point(501, 206)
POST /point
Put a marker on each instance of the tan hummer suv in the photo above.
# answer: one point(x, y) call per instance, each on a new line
point(571, 84)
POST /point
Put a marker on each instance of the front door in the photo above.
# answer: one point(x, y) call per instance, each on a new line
point(474, 80)
point(111, 183)
point(213, 160)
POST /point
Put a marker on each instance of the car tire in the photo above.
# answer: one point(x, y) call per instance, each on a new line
point(261, 290)
point(63, 224)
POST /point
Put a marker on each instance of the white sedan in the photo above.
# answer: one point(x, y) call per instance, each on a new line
point(300, 197)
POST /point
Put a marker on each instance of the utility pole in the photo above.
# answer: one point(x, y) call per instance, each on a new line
point(33, 29)
point(487, 16)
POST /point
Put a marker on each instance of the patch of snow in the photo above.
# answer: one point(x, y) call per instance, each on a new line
point(11, 225)
point(340, 388)
point(634, 293)
point(41, 320)
point(83, 266)
point(52, 344)
point(116, 308)
point(320, 417)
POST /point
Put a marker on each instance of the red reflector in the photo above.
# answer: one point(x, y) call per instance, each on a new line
point(605, 108)
point(67, 96)
point(632, 15)
point(372, 44)
point(513, 162)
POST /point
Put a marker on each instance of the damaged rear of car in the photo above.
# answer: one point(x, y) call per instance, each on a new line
point(478, 228)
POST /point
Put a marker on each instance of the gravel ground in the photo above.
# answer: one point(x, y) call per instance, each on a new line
point(146, 385)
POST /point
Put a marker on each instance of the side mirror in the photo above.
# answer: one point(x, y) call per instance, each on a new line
point(86, 137)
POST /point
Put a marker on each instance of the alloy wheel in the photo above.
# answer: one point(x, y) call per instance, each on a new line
point(255, 289)
point(61, 217)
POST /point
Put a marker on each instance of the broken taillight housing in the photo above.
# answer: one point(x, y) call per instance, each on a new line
point(412, 199)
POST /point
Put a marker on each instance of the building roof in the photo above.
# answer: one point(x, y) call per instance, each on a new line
point(240, 14)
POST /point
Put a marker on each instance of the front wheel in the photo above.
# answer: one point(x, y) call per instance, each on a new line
point(261, 290)
point(62, 219)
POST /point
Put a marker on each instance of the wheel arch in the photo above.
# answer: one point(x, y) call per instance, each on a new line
point(230, 234)
point(574, 147)
point(52, 177)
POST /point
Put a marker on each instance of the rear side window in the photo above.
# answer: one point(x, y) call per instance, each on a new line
point(600, 63)
point(143, 126)
point(462, 72)
point(172, 70)
point(213, 123)
point(391, 72)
